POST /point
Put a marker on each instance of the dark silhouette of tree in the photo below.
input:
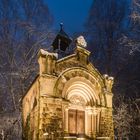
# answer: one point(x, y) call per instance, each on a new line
point(104, 27)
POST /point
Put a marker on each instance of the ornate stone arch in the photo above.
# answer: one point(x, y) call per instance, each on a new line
point(79, 81)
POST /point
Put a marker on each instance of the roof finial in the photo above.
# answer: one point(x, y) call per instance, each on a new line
point(61, 26)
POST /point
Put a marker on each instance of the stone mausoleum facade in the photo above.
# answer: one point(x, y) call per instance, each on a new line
point(69, 99)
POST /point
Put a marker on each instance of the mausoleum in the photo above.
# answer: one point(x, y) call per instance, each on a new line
point(69, 98)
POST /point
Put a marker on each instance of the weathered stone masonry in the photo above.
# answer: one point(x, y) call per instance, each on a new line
point(68, 99)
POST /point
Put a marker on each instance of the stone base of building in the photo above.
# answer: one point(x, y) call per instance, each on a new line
point(81, 138)
point(75, 138)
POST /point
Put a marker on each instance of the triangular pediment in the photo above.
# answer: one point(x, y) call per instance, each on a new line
point(68, 62)
point(72, 61)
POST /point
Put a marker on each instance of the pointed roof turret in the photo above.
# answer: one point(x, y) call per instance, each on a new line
point(62, 40)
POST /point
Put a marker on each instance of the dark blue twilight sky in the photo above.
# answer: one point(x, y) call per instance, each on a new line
point(73, 13)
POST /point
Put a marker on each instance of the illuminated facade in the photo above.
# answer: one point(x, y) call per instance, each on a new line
point(69, 99)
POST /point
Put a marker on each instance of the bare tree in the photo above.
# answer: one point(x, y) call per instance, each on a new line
point(122, 118)
point(126, 117)
point(134, 110)
point(24, 28)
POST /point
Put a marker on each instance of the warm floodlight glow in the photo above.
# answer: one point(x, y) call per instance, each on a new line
point(46, 134)
point(83, 91)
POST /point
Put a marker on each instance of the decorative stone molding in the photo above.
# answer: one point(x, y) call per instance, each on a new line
point(80, 41)
point(82, 55)
point(108, 82)
point(70, 74)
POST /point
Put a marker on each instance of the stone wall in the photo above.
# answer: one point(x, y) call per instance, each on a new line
point(106, 124)
point(51, 93)
point(51, 118)
point(30, 112)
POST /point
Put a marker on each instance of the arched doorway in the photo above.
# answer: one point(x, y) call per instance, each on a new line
point(81, 115)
